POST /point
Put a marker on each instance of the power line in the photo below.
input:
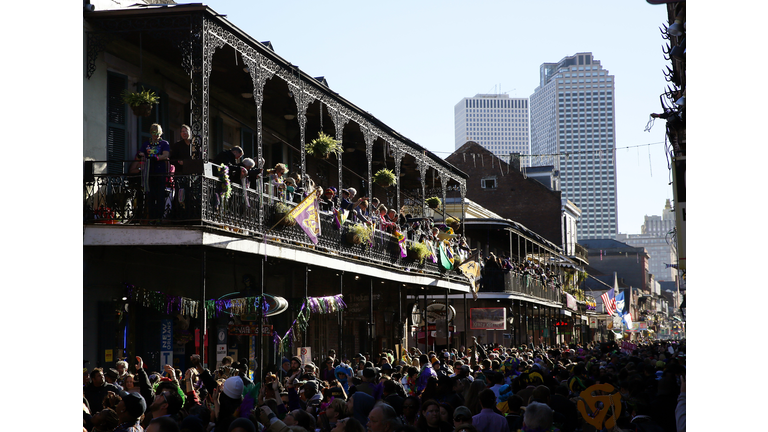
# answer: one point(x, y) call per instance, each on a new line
point(579, 151)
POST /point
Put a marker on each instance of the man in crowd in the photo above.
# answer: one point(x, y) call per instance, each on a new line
point(129, 411)
point(97, 389)
point(383, 418)
point(488, 420)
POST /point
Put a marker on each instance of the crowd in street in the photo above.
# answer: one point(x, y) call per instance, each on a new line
point(490, 388)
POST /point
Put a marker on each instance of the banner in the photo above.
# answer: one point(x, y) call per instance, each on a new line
point(446, 258)
point(488, 318)
point(339, 217)
point(307, 217)
point(570, 302)
point(471, 269)
point(628, 319)
point(620, 303)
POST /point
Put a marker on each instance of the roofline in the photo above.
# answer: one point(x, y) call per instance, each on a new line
point(516, 227)
point(220, 19)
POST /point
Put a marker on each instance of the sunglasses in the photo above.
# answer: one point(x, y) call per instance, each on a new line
point(461, 419)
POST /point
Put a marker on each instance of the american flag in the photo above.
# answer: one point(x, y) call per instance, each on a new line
point(609, 301)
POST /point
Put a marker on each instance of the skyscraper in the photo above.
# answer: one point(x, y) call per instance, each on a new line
point(495, 121)
point(657, 237)
point(572, 128)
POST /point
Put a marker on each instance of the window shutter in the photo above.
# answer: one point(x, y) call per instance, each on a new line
point(248, 143)
point(116, 123)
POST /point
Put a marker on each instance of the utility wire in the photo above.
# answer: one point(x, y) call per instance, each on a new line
point(578, 151)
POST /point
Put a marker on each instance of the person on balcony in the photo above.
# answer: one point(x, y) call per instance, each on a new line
point(380, 217)
point(242, 171)
point(362, 213)
point(229, 157)
point(328, 200)
point(392, 221)
point(156, 153)
point(347, 200)
point(182, 150)
point(290, 188)
point(277, 181)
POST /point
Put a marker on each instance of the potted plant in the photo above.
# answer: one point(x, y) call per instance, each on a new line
point(433, 202)
point(384, 178)
point(141, 102)
point(359, 233)
point(418, 252)
point(322, 146)
point(281, 215)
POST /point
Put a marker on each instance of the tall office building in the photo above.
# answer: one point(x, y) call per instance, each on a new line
point(495, 121)
point(656, 236)
point(572, 128)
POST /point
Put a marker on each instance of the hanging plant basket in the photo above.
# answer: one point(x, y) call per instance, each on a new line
point(454, 223)
point(281, 211)
point(433, 202)
point(384, 178)
point(141, 102)
point(143, 110)
point(322, 146)
point(359, 234)
point(283, 221)
point(418, 252)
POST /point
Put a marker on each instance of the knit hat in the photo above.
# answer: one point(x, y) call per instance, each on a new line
point(463, 413)
point(233, 387)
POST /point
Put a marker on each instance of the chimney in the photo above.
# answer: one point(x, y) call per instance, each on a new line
point(514, 161)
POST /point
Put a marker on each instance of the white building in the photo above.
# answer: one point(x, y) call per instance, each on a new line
point(572, 128)
point(656, 236)
point(495, 121)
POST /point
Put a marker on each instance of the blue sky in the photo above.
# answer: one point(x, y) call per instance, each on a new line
point(409, 63)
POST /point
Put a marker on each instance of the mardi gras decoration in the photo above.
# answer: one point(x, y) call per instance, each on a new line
point(596, 409)
point(320, 305)
point(226, 186)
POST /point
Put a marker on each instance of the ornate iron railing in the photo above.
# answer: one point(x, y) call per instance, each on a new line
point(514, 283)
point(198, 200)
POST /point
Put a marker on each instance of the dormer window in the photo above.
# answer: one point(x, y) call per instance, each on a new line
point(488, 183)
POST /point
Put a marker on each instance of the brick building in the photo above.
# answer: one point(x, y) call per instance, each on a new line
point(505, 190)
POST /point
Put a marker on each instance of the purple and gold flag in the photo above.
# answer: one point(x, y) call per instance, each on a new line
point(307, 217)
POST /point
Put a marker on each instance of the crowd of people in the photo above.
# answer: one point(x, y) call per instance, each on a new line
point(486, 388)
point(159, 161)
point(495, 267)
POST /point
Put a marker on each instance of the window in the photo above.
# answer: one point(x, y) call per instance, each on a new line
point(488, 183)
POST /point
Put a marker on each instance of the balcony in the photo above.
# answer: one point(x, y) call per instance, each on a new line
point(515, 283)
point(194, 202)
point(582, 253)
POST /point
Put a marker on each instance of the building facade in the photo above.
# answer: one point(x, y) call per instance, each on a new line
point(656, 236)
point(219, 270)
point(572, 128)
point(495, 121)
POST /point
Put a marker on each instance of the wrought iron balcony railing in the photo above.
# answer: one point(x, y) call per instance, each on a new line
point(514, 283)
point(197, 199)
